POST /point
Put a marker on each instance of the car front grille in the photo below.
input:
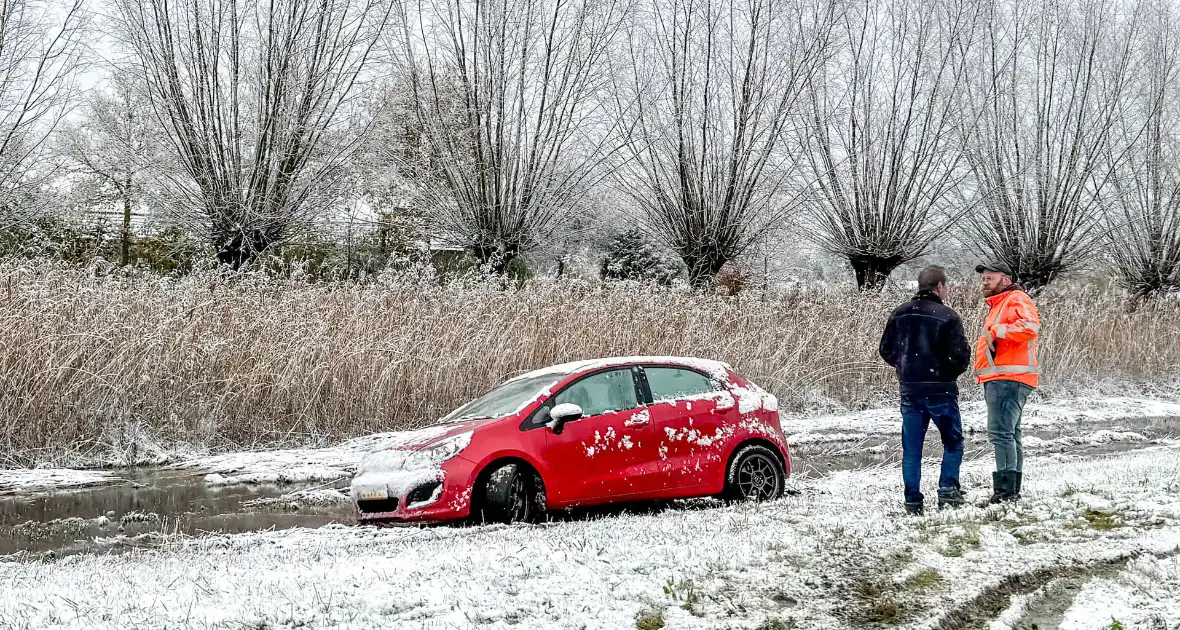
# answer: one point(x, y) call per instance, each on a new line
point(376, 506)
point(422, 494)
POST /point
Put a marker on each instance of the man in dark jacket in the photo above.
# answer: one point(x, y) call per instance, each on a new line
point(924, 342)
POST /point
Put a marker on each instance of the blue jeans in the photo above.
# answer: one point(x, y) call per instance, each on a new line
point(1005, 407)
point(916, 414)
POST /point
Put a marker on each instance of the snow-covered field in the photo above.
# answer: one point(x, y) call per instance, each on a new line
point(837, 552)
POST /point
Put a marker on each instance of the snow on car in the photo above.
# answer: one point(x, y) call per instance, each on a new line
point(580, 434)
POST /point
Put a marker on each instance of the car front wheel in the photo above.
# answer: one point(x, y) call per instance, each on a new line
point(755, 475)
point(509, 496)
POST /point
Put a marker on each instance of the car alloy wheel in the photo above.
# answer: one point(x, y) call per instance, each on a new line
point(757, 478)
point(755, 474)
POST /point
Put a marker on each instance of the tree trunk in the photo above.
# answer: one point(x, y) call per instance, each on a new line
point(497, 258)
point(873, 271)
point(240, 249)
point(1035, 278)
point(125, 254)
point(703, 268)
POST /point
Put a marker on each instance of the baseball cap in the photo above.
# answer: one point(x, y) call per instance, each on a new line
point(996, 266)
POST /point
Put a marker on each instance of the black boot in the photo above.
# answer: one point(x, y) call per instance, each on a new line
point(952, 497)
point(999, 486)
point(1016, 477)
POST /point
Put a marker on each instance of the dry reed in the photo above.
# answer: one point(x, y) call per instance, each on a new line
point(99, 364)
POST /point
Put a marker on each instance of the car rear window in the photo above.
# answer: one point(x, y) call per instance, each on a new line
point(668, 383)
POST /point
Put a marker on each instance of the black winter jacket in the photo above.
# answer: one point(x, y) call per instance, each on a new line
point(924, 342)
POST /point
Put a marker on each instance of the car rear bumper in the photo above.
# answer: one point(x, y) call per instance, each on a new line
point(453, 500)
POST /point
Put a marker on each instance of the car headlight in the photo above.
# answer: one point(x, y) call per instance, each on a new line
point(441, 452)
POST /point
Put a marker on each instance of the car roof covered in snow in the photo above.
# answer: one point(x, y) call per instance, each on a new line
point(716, 369)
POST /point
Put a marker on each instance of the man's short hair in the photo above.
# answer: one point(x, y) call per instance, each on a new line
point(931, 277)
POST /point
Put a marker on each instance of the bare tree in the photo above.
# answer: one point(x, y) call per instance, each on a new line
point(116, 142)
point(250, 94)
point(883, 143)
point(708, 92)
point(1051, 79)
point(40, 54)
point(1144, 235)
point(504, 92)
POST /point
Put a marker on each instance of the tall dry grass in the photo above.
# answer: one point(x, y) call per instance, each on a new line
point(92, 364)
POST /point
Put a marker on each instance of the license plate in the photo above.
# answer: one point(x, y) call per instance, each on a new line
point(372, 495)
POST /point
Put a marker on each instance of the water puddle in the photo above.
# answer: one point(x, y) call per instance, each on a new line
point(150, 506)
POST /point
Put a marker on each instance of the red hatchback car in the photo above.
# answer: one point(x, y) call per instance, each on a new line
point(581, 434)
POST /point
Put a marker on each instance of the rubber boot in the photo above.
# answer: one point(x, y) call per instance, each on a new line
point(1016, 477)
point(999, 486)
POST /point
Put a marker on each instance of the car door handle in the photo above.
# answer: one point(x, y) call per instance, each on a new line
point(638, 419)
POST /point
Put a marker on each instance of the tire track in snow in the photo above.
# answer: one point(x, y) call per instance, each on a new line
point(986, 607)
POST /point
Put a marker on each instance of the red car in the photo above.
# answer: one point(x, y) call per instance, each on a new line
point(581, 434)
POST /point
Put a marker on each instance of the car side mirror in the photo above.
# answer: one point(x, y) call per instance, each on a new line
point(562, 414)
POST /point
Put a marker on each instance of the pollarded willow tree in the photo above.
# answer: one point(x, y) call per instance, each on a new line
point(1049, 82)
point(40, 54)
point(250, 95)
point(706, 96)
point(882, 143)
point(506, 95)
point(1143, 237)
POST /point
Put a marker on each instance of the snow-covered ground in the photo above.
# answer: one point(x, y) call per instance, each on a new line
point(1144, 595)
point(838, 552)
point(27, 480)
point(1056, 414)
point(301, 464)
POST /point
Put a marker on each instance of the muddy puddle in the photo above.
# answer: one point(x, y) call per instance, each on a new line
point(150, 506)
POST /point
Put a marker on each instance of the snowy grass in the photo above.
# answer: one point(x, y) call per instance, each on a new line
point(839, 553)
point(125, 368)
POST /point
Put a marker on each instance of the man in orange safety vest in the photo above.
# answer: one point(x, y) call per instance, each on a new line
point(1006, 365)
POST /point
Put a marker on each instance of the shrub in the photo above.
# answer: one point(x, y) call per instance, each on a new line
point(631, 255)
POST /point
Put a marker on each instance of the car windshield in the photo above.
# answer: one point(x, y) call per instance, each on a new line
point(505, 399)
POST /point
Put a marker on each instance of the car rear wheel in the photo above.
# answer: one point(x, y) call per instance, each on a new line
point(509, 496)
point(756, 474)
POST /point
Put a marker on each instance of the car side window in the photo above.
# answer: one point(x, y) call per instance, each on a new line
point(668, 383)
point(612, 390)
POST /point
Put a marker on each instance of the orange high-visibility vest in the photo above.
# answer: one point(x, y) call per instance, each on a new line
point(1013, 326)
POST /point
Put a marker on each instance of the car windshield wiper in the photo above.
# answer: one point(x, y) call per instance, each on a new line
point(474, 417)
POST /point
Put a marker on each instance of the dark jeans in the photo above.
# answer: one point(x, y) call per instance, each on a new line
point(916, 414)
point(1005, 406)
